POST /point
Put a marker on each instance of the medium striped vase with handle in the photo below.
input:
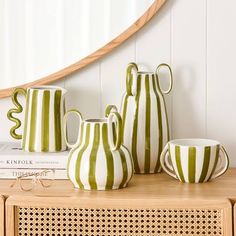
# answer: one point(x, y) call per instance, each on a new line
point(44, 111)
point(144, 116)
point(98, 160)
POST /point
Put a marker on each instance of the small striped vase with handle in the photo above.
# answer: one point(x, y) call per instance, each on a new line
point(98, 160)
point(144, 116)
point(44, 111)
point(194, 160)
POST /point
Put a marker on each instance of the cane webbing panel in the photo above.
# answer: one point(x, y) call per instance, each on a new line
point(117, 222)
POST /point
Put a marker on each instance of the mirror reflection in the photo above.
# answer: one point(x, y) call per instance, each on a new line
point(40, 37)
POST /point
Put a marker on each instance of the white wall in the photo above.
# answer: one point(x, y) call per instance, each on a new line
point(198, 39)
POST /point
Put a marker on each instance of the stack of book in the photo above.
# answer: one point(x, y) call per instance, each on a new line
point(15, 162)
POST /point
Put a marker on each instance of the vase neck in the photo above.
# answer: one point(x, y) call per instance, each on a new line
point(95, 134)
point(146, 82)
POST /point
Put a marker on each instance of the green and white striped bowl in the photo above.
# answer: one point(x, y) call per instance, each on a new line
point(194, 160)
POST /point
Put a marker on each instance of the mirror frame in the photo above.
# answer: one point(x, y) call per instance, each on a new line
point(137, 25)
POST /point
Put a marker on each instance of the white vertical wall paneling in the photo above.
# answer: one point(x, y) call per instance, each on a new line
point(12, 56)
point(60, 33)
point(29, 49)
point(83, 95)
point(103, 29)
point(221, 93)
point(47, 33)
point(74, 19)
point(113, 74)
point(14, 39)
point(5, 71)
point(2, 40)
point(153, 46)
point(189, 65)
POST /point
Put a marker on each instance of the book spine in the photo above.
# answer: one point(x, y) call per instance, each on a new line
point(13, 173)
point(34, 162)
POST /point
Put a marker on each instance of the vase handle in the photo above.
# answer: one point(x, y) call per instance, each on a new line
point(109, 109)
point(114, 144)
point(170, 78)
point(65, 127)
point(131, 69)
point(18, 109)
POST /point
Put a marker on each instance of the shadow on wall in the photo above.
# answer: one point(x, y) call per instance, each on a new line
point(186, 122)
point(84, 100)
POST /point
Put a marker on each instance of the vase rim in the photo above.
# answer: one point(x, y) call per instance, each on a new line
point(144, 72)
point(97, 120)
point(48, 87)
point(194, 142)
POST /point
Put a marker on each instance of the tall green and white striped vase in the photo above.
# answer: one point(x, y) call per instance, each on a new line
point(194, 160)
point(144, 116)
point(98, 160)
point(44, 111)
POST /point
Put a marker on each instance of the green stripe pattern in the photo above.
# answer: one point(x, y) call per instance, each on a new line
point(145, 125)
point(43, 120)
point(177, 161)
point(194, 164)
point(26, 119)
point(57, 119)
point(33, 117)
point(93, 165)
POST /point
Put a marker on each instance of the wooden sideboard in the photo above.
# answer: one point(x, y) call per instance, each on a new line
point(2, 215)
point(152, 205)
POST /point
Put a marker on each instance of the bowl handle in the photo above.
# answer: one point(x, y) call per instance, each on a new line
point(221, 170)
point(165, 162)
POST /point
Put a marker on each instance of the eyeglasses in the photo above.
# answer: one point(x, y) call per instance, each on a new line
point(28, 181)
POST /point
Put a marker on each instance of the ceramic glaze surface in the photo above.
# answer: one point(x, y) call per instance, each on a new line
point(145, 122)
point(194, 163)
point(44, 111)
point(96, 164)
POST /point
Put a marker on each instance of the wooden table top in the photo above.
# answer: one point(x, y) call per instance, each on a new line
point(141, 186)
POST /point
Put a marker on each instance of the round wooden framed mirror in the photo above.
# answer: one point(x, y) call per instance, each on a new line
point(12, 77)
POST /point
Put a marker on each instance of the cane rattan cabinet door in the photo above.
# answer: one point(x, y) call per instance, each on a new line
point(72, 216)
point(234, 216)
point(2, 215)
